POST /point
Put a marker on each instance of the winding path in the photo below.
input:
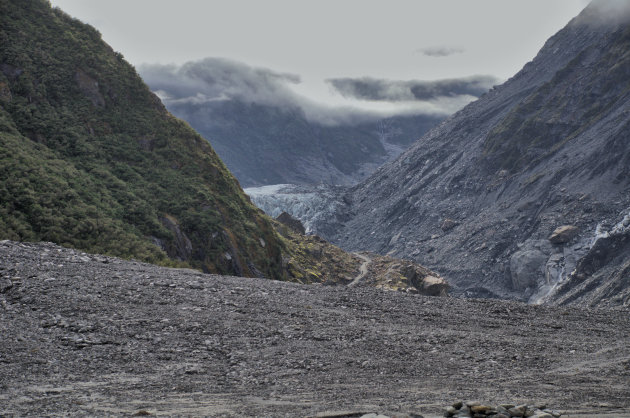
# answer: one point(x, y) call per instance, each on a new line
point(362, 270)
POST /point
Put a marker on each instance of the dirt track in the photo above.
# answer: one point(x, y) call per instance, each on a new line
point(91, 335)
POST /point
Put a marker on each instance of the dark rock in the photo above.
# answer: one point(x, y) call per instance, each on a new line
point(5, 285)
point(293, 223)
point(448, 224)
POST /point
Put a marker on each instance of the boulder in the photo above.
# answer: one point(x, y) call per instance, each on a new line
point(434, 286)
point(527, 267)
point(563, 234)
point(294, 224)
point(448, 224)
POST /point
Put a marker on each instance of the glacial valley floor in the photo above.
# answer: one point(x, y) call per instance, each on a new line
point(89, 335)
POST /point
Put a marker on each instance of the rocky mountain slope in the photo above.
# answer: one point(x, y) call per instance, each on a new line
point(263, 144)
point(479, 196)
point(88, 335)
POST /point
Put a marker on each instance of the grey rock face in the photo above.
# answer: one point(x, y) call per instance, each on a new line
point(549, 147)
point(526, 268)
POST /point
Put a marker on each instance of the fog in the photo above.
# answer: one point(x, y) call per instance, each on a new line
point(391, 90)
point(198, 83)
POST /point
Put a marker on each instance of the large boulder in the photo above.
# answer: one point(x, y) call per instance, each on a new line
point(563, 234)
point(527, 267)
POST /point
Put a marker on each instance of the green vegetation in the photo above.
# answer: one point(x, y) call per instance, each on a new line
point(90, 158)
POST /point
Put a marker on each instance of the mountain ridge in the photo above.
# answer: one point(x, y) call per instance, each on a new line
point(477, 197)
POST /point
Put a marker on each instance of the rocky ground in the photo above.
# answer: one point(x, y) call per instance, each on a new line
point(91, 335)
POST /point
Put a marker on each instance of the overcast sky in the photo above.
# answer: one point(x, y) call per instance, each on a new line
point(333, 39)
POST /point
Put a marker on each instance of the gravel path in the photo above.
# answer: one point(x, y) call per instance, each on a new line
point(92, 335)
point(363, 270)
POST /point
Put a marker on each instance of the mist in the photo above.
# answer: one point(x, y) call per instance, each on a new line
point(390, 90)
point(205, 82)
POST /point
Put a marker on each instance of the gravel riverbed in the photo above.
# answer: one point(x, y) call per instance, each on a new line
point(84, 334)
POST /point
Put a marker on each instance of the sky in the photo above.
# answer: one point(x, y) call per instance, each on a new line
point(322, 46)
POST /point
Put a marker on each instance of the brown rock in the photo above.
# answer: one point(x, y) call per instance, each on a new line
point(481, 409)
point(434, 286)
point(563, 234)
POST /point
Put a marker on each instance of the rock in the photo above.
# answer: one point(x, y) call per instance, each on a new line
point(181, 248)
point(563, 234)
point(448, 224)
point(481, 409)
point(527, 268)
point(434, 286)
point(450, 411)
point(294, 224)
point(395, 238)
point(518, 411)
point(458, 405)
point(5, 285)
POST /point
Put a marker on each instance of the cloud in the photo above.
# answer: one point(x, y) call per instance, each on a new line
point(440, 51)
point(605, 12)
point(216, 79)
point(396, 91)
point(198, 86)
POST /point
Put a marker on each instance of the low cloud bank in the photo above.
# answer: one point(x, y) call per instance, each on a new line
point(440, 51)
point(215, 79)
point(393, 91)
point(204, 83)
point(605, 12)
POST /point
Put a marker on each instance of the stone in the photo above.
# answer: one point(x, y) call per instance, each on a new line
point(481, 409)
point(434, 286)
point(450, 411)
point(518, 411)
point(5, 285)
point(563, 234)
point(292, 223)
point(527, 268)
point(448, 224)
point(458, 405)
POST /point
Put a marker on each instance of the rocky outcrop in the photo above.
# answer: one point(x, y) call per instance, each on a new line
point(294, 224)
point(180, 247)
point(602, 273)
point(548, 148)
point(527, 268)
point(388, 273)
point(89, 87)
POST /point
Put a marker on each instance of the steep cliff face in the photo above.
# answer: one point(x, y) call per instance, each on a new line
point(478, 197)
point(90, 158)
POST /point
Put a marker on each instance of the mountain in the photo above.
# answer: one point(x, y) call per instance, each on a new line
point(525, 192)
point(91, 159)
point(264, 144)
